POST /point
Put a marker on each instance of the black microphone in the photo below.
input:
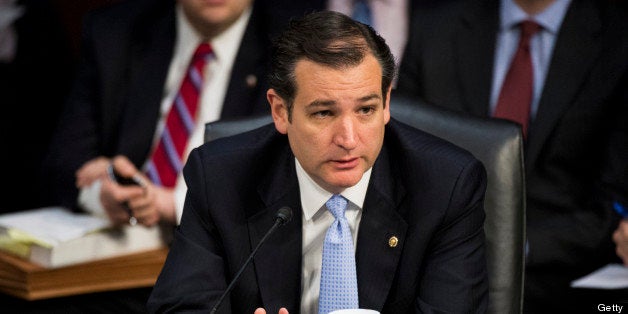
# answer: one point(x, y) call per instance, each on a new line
point(282, 217)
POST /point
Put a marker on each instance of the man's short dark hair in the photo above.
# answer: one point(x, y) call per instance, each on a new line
point(329, 38)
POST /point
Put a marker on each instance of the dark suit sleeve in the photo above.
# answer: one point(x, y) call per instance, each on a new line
point(455, 275)
point(76, 138)
point(579, 218)
point(192, 278)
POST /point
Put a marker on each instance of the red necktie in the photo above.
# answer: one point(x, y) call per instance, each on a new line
point(516, 94)
point(167, 160)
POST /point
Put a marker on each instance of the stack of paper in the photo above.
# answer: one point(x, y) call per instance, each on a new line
point(611, 276)
point(55, 237)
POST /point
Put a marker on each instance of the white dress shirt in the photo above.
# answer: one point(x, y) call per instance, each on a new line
point(390, 19)
point(315, 221)
point(216, 76)
point(541, 45)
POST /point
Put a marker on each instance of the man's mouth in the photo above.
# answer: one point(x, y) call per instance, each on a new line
point(346, 163)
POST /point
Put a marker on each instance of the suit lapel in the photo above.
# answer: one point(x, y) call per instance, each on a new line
point(577, 44)
point(246, 92)
point(376, 258)
point(278, 262)
point(474, 49)
point(151, 52)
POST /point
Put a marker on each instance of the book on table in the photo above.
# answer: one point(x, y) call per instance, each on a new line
point(53, 252)
point(56, 237)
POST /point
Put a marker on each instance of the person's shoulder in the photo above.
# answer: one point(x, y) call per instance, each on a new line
point(115, 10)
point(439, 20)
point(432, 11)
point(614, 16)
point(417, 145)
point(126, 12)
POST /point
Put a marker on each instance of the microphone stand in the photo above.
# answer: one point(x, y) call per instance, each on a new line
point(283, 215)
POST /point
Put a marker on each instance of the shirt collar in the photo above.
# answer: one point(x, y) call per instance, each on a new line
point(313, 196)
point(550, 18)
point(225, 44)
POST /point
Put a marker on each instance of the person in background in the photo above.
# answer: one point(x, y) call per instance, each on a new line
point(390, 18)
point(397, 212)
point(620, 236)
point(559, 68)
point(36, 66)
point(152, 74)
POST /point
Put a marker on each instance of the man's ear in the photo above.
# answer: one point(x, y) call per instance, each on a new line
point(279, 111)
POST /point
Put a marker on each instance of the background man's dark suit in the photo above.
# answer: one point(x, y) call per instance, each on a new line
point(576, 155)
point(115, 104)
point(33, 88)
point(423, 190)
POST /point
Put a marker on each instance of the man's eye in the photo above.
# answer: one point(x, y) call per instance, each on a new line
point(321, 114)
point(367, 110)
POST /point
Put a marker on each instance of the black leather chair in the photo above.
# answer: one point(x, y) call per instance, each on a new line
point(498, 144)
point(222, 128)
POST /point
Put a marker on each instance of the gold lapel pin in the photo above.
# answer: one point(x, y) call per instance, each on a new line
point(251, 81)
point(393, 241)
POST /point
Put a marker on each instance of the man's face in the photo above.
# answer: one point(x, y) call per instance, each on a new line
point(338, 119)
point(211, 17)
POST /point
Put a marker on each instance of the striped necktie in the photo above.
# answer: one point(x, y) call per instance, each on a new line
point(167, 159)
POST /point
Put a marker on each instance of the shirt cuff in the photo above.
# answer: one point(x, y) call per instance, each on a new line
point(89, 199)
point(179, 199)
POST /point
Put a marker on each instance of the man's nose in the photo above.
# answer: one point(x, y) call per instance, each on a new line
point(345, 133)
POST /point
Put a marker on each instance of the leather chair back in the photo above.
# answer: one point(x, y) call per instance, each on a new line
point(221, 128)
point(499, 145)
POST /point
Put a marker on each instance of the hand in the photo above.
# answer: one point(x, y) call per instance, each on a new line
point(260, 310)
point(91, 171)
point(156, 204)
point(148, 203)
point(620, 237)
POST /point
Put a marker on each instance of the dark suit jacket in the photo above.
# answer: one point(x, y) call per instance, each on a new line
point(424, 191)
point(126, 52)
point(33, 88)
point(576, 155)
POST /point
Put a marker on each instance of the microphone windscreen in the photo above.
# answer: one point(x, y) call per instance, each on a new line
point(285, 214)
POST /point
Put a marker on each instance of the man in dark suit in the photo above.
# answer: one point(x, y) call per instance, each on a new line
point(414, 201)
point(576, 150)
point(134, 57)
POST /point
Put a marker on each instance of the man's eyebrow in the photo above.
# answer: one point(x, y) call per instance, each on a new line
point(330, 103)
point(370, 97)
point(321, 103)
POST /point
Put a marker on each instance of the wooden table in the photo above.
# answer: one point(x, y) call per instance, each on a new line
point(29, 281)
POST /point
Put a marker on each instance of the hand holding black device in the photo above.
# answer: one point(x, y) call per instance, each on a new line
point(122, 180)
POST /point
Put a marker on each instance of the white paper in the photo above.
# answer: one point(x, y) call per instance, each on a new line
point(53, 224)
point(611, 276)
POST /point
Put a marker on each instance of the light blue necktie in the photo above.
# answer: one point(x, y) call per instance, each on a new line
point(339, 285)
point(362, 12)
